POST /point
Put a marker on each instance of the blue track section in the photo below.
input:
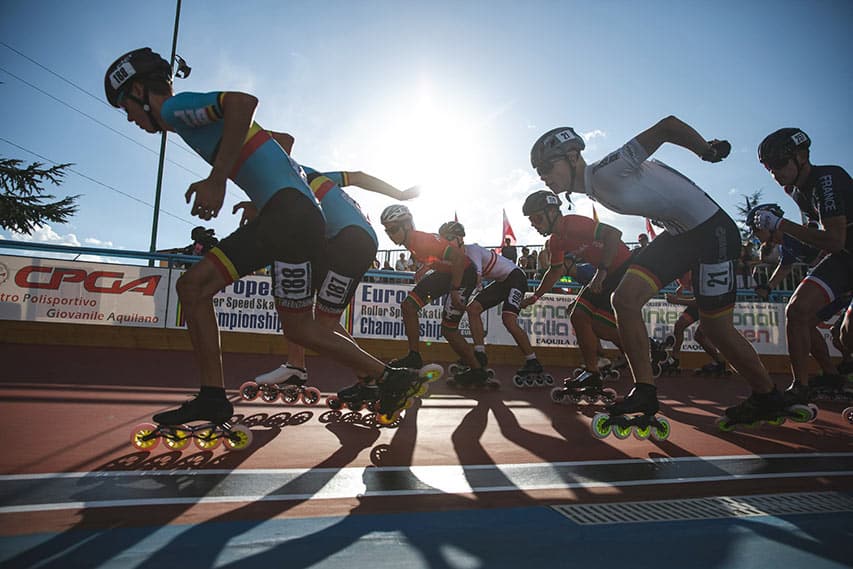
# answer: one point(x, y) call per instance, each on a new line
point(514, 538)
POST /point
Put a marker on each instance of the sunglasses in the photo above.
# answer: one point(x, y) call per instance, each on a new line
point(776, 163)
point(545, 169)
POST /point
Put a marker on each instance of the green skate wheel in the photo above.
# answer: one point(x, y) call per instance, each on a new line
point(599, 426)
point(724, 425)
point(779, 421)
point(661, 433)
point(239, 438)
point(621, 432)
point(801, 414)
point(642, 433)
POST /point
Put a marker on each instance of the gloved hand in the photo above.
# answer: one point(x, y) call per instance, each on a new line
point(719, 150)
point(765, 219)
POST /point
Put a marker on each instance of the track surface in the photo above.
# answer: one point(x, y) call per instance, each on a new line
point(461, 483)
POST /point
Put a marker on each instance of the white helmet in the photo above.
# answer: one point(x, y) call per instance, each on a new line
point(395, 213)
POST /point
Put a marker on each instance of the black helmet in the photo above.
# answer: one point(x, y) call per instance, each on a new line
point(782, 145)
point(771, 207)
point(451, 230)
point(538, 201)
point(137, 64)
point(555, 143)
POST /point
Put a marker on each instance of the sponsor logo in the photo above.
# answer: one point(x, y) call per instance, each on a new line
point(101, 282)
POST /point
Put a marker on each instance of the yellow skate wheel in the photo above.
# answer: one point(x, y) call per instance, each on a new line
point(599, 427)
point(239, 438)
point(622, 433)
point(421, 390)
point(642, 433)
point(143, 437)
point(177, 439)
point(661, 433)
point(386, 420)
point(207, 439)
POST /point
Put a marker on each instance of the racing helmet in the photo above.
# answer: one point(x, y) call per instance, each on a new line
point(555, 143)
point(539, 200)
point(138, 64)
point(451, 230)
point(782, 145)
point(771, 207)
point(395, 213)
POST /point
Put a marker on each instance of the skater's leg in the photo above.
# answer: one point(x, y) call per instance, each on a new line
point(628, 301)
point(737, 350)
point(800, 319)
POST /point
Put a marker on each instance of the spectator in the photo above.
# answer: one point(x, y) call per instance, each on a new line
point(509, 251)
point(402, 264)
point(643, 241)
point(532, 261)
point(387, 266)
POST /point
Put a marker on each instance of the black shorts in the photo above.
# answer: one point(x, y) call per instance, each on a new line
point(599, 304)
point(435, 284)
point(710, 250)
point(349, 255)
point(288, 234)
point(510, 291)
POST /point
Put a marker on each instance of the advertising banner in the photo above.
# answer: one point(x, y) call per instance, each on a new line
point(55, 290)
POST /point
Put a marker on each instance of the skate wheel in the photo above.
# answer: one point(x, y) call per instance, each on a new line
point(177, 439)
point(239, 438)
point(662, 432)
point(490, 373)
point(578, 371)
point(813, 408)
point(614, 375)
point(724, 425)
point(311, 396)
point(207, 439)
point(269, 393)
point(621, 432)
point(529, 382)
point(539, 381)
point(332, 402)
point(558, 395)
point(249, 391)
point(145, 437)
point(642, 433)
point(290, 395)
point(656, 369)
point(431, 372)
point(549, 379)
point(608, 396)
point(779, 421)
point(848, 414)
point(387, 420)
point(801, 413)
point(600, 427)
point(575, 397)
point(453, 369)
point(518, 381)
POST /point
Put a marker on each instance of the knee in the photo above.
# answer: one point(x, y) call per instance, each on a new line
point(623, 301)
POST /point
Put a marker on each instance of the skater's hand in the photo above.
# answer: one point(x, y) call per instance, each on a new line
point(719, 149)
point(763, 292)
point(209, 195)
point(765, 219)
point(597, 282)
point(456, 300)
point(250, 212)
point(528, 301)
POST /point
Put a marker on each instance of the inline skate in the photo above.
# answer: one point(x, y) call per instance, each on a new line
point(670, 366)
point(659, 353)
point(532, 375)
point(173, 428)
point(472, 378)
point(412, 360)
point(715, 369)
point(398, 389)
point(586, 387)
point(830, 387)
point(606, 369)
point(460, 366)
point(771, 408)
point(287, 382)
point(636, 414)
point(361, 395)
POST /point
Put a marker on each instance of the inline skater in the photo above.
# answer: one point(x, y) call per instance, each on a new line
point(698, 235)
point(683, 297)
point(824, 195)
point(288, 233)
point(573, 239)
point(446, 271)
point(508, 286)
point(351, 248)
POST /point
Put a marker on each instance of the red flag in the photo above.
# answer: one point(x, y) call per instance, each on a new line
point(649, 229)
point(594, 214)
point(508, 232)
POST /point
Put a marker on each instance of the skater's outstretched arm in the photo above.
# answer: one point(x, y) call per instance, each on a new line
point(675, 131)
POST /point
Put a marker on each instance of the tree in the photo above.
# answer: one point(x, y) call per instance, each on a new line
point(749, 202)
point(22, 201)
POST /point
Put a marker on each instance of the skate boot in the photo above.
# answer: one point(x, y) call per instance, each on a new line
point(532, 375)
point(412, 360)
point(830, 387)
point(173, 427)
point(635, 414)
point(670, 366)
point(770, 408)
point(398, 389)
point(716, 369)
point(586, 387)
point(356, 397)
point(473, 378)
point(287, 381)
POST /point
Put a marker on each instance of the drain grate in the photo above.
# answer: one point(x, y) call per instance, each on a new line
point(708, 508)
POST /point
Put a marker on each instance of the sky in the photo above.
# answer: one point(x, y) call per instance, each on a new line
point(448, 95)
